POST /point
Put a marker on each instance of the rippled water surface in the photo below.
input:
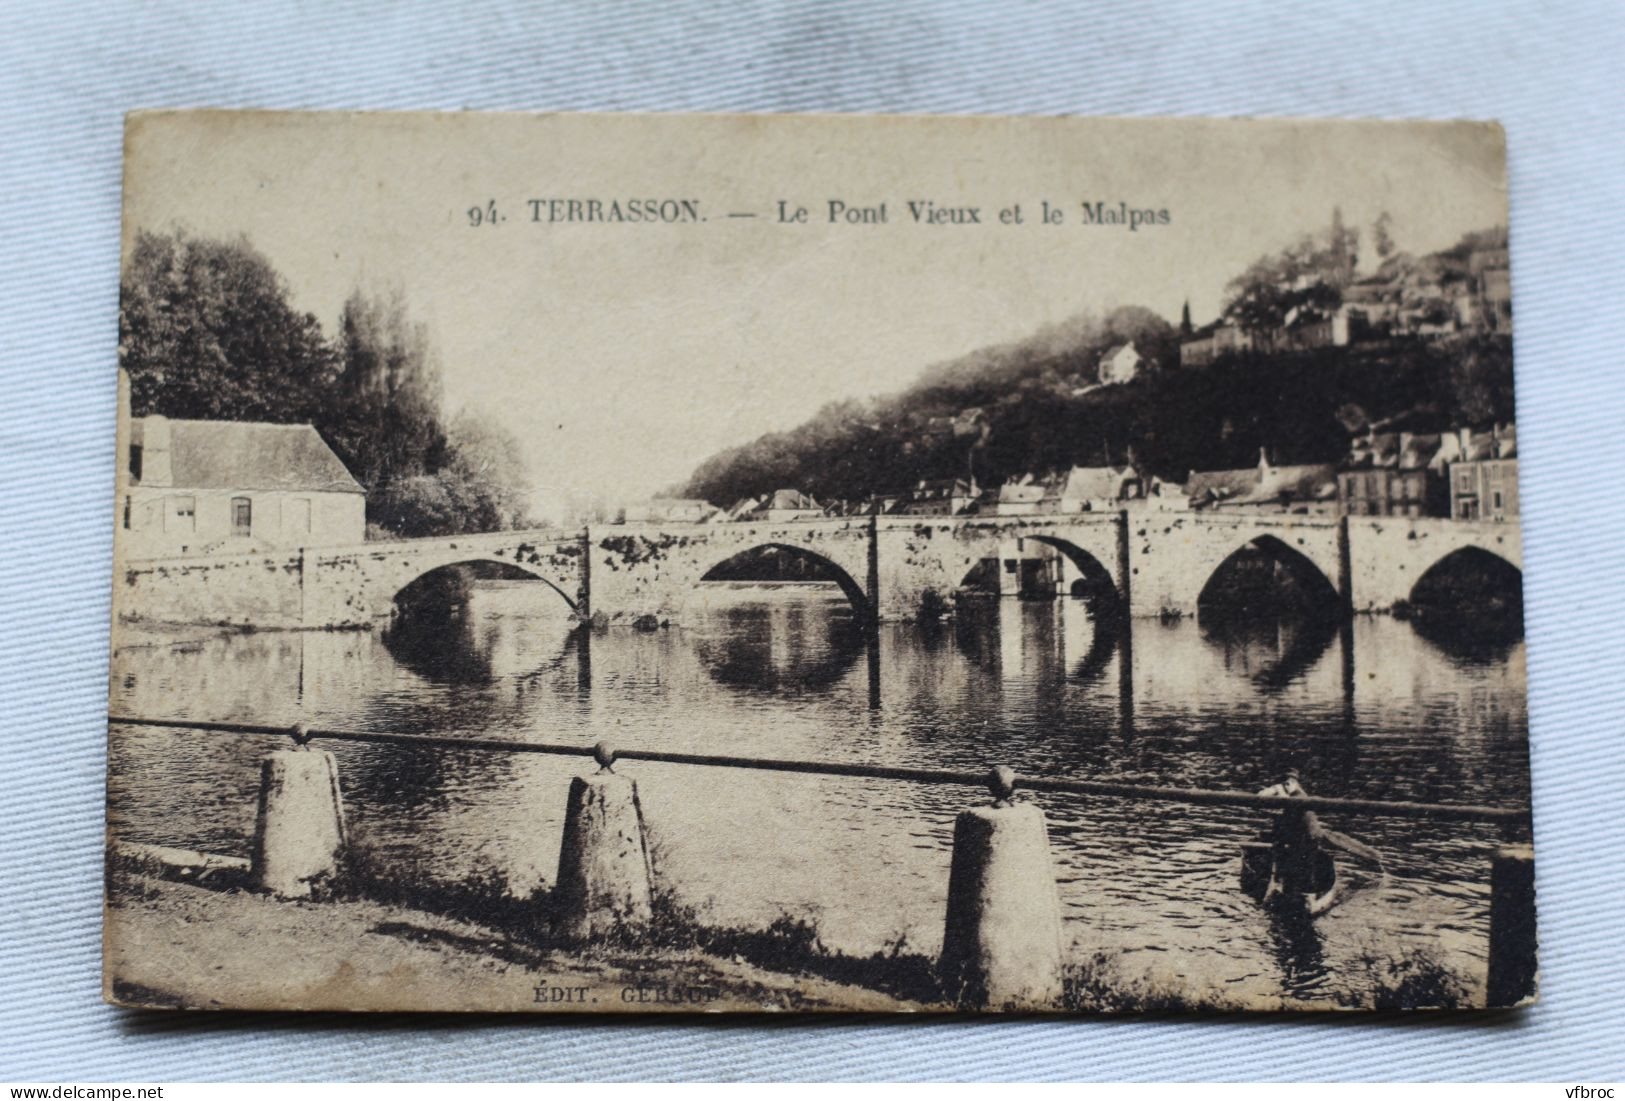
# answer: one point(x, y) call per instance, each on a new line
point(1375, 711)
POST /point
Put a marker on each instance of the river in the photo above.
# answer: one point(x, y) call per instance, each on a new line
point(1375, 710)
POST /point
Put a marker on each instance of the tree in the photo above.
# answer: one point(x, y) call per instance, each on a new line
point(486, 474)
point(1342, 251)
point(385, 421)
point(206, 331)
point(1382, 235)
point(1307, 276)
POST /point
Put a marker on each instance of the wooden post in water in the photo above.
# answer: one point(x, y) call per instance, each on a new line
point(1512, 926)
point(604, 880)
point(1001, 944)
point(299, 834)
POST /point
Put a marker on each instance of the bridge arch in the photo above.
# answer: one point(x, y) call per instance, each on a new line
point(992, 570)
point(391, 591)
point(1267, 574)
point(1097, 586)
point(1470, 573)
point(855, 593)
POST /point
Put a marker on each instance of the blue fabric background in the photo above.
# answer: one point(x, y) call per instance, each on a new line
point(68, 72)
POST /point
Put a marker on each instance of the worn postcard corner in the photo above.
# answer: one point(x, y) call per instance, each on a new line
point(575, 563)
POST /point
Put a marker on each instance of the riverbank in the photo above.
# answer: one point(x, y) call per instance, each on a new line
point(185, 931)
point(200, 946)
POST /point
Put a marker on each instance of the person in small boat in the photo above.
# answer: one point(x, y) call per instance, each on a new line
point(1298, 842)
point(1296, 839)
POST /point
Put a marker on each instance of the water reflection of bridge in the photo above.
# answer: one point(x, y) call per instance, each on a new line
point(806, 644)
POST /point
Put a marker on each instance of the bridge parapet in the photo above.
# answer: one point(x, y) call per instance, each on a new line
point(489, 540)
point(890, 567)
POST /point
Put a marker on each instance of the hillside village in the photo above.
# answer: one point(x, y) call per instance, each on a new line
point(1465, 475)
point(1404, 335)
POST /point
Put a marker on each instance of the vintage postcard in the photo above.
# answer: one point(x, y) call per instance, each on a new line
point(668, 563)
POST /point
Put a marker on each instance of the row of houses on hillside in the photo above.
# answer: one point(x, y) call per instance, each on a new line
point(1425, 298)
point(1462, 474)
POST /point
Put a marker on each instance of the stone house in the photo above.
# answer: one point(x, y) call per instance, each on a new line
point(1020, 497)
point(941, 497)
point(221, 487)
point(1484, 481)
point(1393, 474)
point(1212, 341)
point(1091, 489)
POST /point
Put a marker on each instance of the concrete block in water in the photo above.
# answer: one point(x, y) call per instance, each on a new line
point(1001, 945)
point(299, 832)
point(604, 881)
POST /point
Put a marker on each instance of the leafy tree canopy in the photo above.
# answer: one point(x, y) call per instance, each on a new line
point(207, 331)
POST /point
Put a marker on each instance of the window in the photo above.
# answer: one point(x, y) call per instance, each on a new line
point(298, 516)
point(242, 516)
point(182, 514)
point(135, 462)
point(1496, 501)
point(1464, 479)
point(126, 512)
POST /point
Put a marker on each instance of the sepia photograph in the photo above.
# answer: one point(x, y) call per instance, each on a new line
point(661, 563)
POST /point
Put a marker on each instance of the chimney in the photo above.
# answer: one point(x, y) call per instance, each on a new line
point(156, 469)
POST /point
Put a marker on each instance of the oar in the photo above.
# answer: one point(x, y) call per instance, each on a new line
point(1348, 844)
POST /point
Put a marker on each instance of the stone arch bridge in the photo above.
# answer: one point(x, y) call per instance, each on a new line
point(889, 567)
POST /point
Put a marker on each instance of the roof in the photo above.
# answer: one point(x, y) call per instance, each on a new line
point(791, 499)
point(1418, 451)
point(1011, 493)
point(1087, 483)
point(1222, 485)
point(944, 487)
point(1316, 481)
point(249, 455)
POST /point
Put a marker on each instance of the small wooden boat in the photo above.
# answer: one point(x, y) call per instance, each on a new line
point(1261, 882)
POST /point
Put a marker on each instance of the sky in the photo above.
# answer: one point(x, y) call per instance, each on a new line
point(624, 354)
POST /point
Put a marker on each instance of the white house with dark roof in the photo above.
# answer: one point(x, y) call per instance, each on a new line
point(221, 487)
point(1120, 364)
